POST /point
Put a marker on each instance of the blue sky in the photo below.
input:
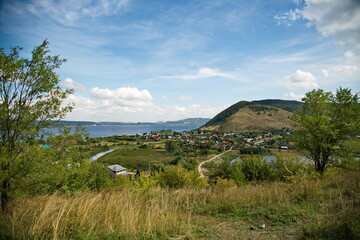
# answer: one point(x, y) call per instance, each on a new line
point(159, 60)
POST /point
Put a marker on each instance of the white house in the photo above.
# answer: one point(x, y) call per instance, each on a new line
point(117, 169)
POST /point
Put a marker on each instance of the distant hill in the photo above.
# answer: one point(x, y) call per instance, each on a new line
point(247, 116)
point(189, 121)
point(288, 105)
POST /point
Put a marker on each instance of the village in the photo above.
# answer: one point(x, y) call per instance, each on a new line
point(195, 144)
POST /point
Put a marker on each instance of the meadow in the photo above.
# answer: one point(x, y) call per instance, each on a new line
point(326, 207)
point(135, 157)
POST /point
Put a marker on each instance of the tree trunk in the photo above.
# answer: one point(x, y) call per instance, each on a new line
point(4, 196)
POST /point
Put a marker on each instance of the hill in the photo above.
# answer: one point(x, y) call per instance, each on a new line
point(247, 116)
point(288, 105)
point(189, 121)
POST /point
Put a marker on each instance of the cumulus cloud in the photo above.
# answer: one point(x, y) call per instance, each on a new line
point(71, 84)
point(340, 71)
point(294, 96)
point(204, 73)
point(68, 12)
point(300, 80)
point(89, 109)
point(345, 70)
point(125, 96)
point(337, 18)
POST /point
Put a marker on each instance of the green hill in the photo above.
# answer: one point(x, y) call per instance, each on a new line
point(288, 105)
point(247, 116)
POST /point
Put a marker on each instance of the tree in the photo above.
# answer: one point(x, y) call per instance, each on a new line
point(325, 122)
point(170, 145)
point(30, 96)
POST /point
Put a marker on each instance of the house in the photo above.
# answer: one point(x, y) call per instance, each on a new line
point(117, 170)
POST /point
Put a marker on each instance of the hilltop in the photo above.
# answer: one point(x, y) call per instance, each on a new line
point(261, 115)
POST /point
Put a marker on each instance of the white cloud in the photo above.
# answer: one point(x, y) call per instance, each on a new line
point(294, 96)
point(89, 109)
point(325, 72)
point(68, 12)
point(164, 97)
point(349, 55)
point(288, 17)
point(125, 96)
point(339, 71)
point(337, 18)
point(345, 70)
point(185, 98)
point(70, 84)
point(300, 80)
point(203, 73)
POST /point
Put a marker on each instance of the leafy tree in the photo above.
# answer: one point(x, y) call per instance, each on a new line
point(170, 145)
point(30, 96)
point(325, 122)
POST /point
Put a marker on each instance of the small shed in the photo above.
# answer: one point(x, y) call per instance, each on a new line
point(116, 170)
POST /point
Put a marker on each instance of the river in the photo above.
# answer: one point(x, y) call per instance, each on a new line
point(111, 130)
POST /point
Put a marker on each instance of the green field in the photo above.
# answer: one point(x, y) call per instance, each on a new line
point(133, 157)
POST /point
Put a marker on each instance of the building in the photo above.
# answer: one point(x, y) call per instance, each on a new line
point(117, 170)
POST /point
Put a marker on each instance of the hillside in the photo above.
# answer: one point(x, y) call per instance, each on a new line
point(189, 121)
point(288, 105)
point(249, 117)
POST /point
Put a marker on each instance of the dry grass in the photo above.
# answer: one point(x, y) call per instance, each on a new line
point(119, 213)
point(308, 208)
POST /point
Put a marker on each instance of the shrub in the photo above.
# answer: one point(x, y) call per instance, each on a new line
point(255, 168)
point(285, 166)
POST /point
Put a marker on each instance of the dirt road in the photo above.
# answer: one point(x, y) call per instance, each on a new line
point(200, 169)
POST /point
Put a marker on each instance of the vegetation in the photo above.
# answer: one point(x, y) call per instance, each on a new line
point(50, 189)
point(30, 96)
point(249, 117)
point(288, 105)
point(325, 123)
point(308, 208)
point(222, 116)
point(137, 157)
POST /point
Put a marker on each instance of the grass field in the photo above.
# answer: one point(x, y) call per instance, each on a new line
point(326, 207)
point(133, 157)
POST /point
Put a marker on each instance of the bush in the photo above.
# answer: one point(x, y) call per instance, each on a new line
point(255, 168)
point(285, 166)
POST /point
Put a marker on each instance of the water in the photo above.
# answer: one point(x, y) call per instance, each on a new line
point(106, 131)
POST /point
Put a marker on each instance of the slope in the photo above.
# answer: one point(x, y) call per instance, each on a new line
point(249, 117)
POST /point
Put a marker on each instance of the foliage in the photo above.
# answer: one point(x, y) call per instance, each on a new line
point(324, 122)
point(176, 177)
point(30, 96)
point(170, 146)
point(288, 105)
point(285, 166)
point(252, 150)
point(255, 168)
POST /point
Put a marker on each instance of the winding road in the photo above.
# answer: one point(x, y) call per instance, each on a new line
point(200, 169)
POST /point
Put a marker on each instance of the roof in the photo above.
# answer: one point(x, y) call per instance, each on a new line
point(116, 168)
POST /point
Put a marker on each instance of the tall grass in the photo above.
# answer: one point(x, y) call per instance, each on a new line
point(325, 207)
point(124, 213)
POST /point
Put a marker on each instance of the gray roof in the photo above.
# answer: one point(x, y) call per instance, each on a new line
point(116, 168)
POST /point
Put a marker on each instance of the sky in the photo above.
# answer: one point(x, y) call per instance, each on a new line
point(161, 60)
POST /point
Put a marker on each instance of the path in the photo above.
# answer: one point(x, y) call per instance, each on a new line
point(200, 170)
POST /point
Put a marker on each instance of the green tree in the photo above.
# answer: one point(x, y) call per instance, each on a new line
point(325, 122)
point(170, 145)
point(30, 96)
